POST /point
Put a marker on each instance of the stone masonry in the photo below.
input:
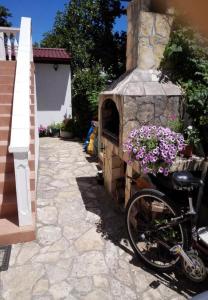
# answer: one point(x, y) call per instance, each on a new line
point(139, 95)
point(81, 251)
point(147, 36)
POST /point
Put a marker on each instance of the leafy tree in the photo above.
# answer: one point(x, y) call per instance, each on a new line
point(4, 15)
point(85, 28)
point(186, 57)
point(36, 45)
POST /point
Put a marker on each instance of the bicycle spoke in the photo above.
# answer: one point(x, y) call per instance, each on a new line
point(152, 231)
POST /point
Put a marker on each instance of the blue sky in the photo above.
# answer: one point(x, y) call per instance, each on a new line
point(42, 13)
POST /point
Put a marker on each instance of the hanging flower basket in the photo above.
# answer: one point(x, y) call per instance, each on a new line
point(155, 148)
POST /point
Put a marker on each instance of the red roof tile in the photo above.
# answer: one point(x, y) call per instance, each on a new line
point(51, 55)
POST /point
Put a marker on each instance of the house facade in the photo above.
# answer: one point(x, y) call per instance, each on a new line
point(53, 85)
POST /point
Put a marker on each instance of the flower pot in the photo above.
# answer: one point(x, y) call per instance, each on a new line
point(188, 151)
point(55, 132)
point(66, 134)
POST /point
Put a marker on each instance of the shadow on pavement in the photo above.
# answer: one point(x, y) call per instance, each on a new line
point(112, 227)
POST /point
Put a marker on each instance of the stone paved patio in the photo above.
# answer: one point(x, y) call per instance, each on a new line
point(81, 250)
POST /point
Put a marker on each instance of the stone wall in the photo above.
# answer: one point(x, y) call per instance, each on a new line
point(147, 36)
point(148, 110)
point(113, 166)
point(139, 96)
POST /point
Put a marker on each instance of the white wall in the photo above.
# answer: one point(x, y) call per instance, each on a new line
point(53, 93)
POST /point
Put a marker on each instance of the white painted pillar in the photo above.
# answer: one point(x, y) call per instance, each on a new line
point(2, 47)
point(22, 177)
point(9, 46)
point(20, 129)
point(15, 47)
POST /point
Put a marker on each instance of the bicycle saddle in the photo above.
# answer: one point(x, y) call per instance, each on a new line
point(185, 180)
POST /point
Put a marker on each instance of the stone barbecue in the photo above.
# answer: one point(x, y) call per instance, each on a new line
point(138, 97)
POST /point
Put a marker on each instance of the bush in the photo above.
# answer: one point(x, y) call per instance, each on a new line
point(186, 62)
point(67, 125)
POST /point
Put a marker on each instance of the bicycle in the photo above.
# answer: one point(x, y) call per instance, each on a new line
point(164, 236)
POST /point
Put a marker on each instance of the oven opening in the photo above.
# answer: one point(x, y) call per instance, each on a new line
point(110, 121)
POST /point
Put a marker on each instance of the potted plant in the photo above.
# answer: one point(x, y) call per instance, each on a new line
point(154, 147)
point(67, 128)
point(192, 140)
point(42, 131)
point(54, 129)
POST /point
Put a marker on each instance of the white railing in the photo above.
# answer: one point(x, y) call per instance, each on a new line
point(8, 43)
point(20, 130)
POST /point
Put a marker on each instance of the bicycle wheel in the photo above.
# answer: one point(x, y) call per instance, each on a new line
point(150, 230)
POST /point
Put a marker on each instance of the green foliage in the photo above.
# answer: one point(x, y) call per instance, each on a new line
point(85, 29)
point(175, 124)
point(191, 136)
point(86, 85)
point(68, 125)
point(186, 57)
point(36, 45)
point(55, 126)
point(197, 101)
point(4, 15)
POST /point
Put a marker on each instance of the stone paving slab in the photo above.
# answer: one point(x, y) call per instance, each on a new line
point(81, 251)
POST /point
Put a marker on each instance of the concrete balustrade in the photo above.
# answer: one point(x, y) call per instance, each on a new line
point(20, 130)
point(8, 43)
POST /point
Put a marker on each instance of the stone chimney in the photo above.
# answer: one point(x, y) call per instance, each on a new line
point(149, 26)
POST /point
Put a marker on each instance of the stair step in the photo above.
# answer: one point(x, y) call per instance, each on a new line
point(5, 109)
point(7, 71)
point(8, 204)
point(32, 181)
point(5, 119)
point(32, 97)
point(32, 132)
point(5, 133)
point(7, 65)
point(32, 109)
point(6, 98)
point(7, 183)
point(7, 79)
point(7, 163)
point(32, 89)
point(32, 147)
point(11, 233)
point(4, 148)
point(6, 88)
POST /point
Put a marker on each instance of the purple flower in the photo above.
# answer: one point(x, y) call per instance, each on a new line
point(157, 159)
point(160, 170)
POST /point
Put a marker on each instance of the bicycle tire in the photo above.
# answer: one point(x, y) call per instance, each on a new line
point(170, 204)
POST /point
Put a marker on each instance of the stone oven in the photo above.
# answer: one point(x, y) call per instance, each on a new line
point(138, 97)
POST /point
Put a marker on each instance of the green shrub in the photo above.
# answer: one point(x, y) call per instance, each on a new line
point(186, 63)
